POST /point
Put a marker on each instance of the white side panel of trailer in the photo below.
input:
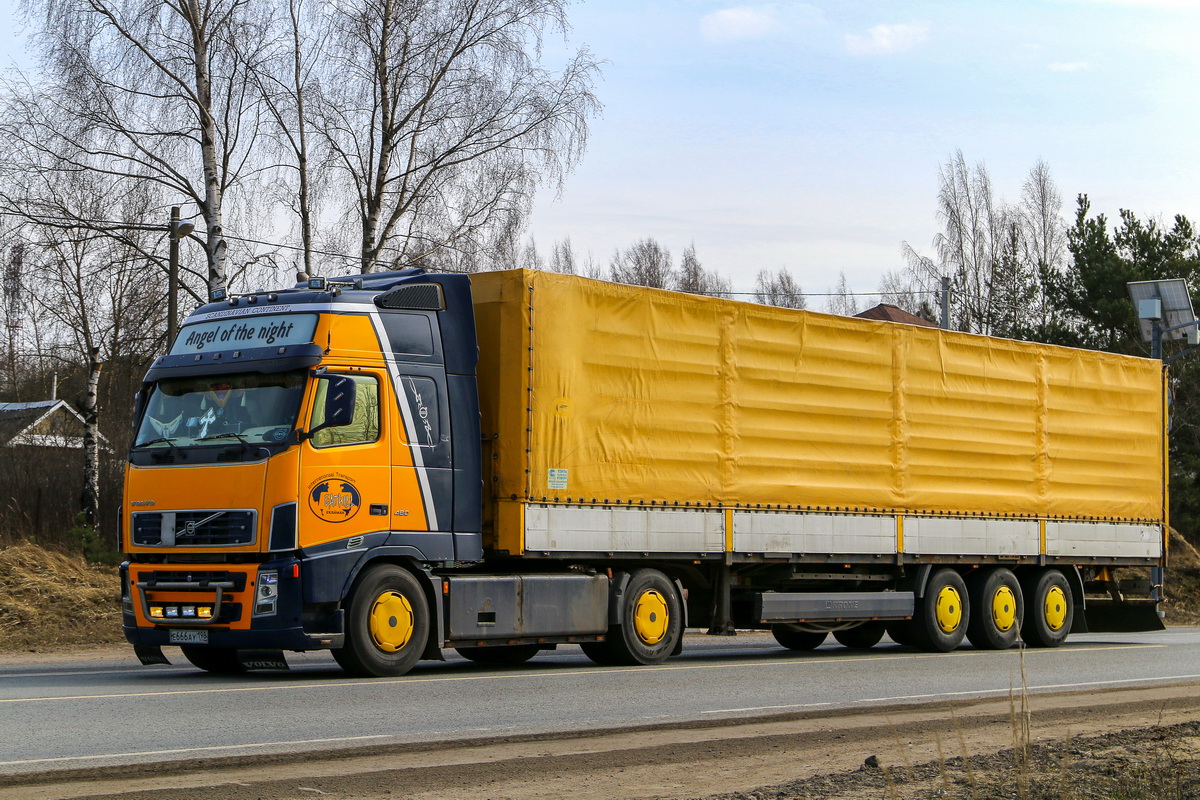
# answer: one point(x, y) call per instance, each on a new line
point(1111, 539)
point(956, 536)
point(623, 530)
point(806, 532)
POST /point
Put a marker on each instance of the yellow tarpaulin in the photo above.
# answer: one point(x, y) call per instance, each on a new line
point(599, 391)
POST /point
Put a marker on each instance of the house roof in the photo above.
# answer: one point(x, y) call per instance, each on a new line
point(890, 313)
point(19, 419)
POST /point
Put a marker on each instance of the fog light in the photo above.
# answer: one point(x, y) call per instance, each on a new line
point(189, 611)
point(204, 612)
point(172, 611)
point(156, 612)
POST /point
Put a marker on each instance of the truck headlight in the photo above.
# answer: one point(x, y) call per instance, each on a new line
point(266, 597)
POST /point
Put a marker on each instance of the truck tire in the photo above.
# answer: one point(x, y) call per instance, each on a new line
point(387, 624)
point(860, 637)
point(1050, 610)
point(500, 655)
point(651, 615)
point(217, 660)
point(940, 621)
point(794, 638)
point(997, 608)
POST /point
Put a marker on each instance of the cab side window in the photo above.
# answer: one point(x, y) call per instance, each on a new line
point(363, 429)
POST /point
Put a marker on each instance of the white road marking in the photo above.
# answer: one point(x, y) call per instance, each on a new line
point(764, 708)
point(185, 750)
point(1151, 679)
point(410, 679)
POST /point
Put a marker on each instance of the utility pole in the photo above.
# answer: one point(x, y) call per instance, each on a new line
point(176, 230)
point(945, 298)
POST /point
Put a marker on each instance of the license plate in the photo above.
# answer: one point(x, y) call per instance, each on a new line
point(176, 636)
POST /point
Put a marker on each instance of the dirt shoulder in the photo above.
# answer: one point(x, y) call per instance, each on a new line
point(913, 752)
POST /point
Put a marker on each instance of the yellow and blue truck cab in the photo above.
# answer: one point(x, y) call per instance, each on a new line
point(249, 510)
point(389, 464)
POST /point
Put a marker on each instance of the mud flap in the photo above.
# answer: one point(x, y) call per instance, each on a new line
point(1126, 616)
point(150, 654)
point(261, 659)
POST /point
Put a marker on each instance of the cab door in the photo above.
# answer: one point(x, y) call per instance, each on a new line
point(345, 482)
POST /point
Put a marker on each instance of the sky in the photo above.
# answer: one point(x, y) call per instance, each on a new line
point(809, 135)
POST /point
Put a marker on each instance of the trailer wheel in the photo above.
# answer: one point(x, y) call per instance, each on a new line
point(940, 621)
point(997, 607)
point(1050, 611)
point(795, 638)
point(860, 637)
point(651, 615)
point(500, 655)
point(387, 624)
point(217, 660)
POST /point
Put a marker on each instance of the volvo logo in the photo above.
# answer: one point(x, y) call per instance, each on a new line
point(189, 528)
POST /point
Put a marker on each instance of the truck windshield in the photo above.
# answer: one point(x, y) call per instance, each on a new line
point(250, 407)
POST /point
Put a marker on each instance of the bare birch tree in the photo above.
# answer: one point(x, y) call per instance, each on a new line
point(644, 263)
point(981, 249)
point(693, 278)
point(778, 289)
point(841, 299)
point(441, 120)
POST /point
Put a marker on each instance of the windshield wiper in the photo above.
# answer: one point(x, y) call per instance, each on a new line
point(240, 438)
point(167, 440)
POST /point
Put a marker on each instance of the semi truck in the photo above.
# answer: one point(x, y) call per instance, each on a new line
point(395, 464)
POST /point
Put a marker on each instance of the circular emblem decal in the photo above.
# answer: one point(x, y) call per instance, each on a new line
point(334, 499)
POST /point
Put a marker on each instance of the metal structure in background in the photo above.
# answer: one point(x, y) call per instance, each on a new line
point(1164, 309)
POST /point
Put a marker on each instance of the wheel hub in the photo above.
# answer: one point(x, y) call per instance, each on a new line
point(949, 609)
point(1055, 612)
point(391, 621)
point(650, 617)
point(1004, 609)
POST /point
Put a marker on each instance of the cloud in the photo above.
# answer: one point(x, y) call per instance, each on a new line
point(886, 39)
point(1068, 66)
point(740, 22)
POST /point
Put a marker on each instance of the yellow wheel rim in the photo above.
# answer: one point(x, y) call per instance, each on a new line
point(949, 609)
point(1055, 612)
point(650, 617)
point(1004, 609)
point(391, 621)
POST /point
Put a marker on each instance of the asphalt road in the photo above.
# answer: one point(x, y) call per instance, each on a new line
point(79, 714)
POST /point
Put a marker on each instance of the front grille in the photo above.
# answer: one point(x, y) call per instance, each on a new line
point(202, 576)
point(193, 528)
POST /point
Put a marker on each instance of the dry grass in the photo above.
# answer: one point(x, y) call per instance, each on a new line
point(52, 600)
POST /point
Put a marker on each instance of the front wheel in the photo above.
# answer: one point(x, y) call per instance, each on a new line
point(1050, 610)
point(651, 623)
point(940, 621)
point(387, 624)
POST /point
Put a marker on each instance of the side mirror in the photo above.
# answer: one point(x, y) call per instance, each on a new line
point(340, 398)
point(139, 404)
